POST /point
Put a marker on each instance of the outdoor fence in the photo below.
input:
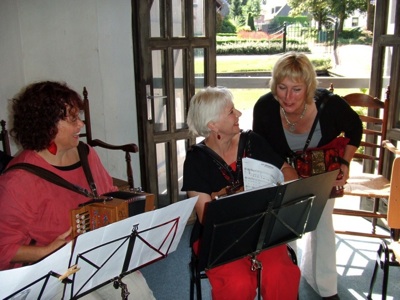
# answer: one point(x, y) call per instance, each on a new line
point(326, 38)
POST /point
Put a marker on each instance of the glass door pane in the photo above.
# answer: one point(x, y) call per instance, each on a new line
point(199, 59)
point(155, 17)
point(179, 79)
point(181, 155)
point(198, 18)
point(178, 18)
point(163, 169)
point(158, 98)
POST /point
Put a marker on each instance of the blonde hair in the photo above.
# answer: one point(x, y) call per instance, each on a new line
point(206, 106)
point(298, 68)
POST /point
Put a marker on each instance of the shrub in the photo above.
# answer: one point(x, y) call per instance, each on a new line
point(355, 36)
point(227, 26)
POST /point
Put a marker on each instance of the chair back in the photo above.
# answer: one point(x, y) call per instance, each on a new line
point(393, 212)
point(374, 127)
point(127, 148)
point(4, 138)
point(86, 118)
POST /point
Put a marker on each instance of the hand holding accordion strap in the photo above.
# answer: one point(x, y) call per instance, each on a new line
point(313, 161)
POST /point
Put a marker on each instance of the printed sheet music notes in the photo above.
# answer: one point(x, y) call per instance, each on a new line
point(258, 174)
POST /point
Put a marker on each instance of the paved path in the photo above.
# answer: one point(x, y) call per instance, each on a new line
point(352, 61)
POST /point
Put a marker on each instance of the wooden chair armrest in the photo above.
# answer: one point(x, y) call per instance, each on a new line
point(132, 148)
point(388, 145)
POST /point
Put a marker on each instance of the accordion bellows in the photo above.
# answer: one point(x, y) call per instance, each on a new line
point(110, 208)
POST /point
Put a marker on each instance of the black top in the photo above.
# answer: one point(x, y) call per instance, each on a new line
point(336, 116)
point(202, 174)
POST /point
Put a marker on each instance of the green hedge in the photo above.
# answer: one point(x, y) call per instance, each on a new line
point(258, 48)
point(229, 44)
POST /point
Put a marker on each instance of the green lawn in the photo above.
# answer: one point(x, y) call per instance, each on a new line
point(250, 63)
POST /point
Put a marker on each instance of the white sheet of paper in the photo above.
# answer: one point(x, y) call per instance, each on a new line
point(105, 249)
point(113, 248)
point(16, 279)
point(257, 174)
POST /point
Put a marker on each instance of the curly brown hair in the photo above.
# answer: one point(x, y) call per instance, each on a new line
point(37, 110)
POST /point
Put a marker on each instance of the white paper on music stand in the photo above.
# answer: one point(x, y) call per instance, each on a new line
point(15, 279)
point(162, 237)
point(109, 244)
point(257, 174)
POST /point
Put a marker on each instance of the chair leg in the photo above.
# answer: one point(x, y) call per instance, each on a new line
point(195, 280)
point(374, 221)
point(192, 282)
point(387, 253)
point(373, 278)
point(198, 287)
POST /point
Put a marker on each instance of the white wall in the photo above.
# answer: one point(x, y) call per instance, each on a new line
point(84, 43)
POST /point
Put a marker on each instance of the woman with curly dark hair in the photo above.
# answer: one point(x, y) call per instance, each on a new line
point(35, 213)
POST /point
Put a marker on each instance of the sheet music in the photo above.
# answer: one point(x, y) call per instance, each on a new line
point(24, 278)
point(100, 254)
point(257, 174)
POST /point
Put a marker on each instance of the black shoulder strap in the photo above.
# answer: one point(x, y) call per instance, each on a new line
point(222, 165)
point(54, 178)
point(83, 155)
point(49, 176)
point(321, 106)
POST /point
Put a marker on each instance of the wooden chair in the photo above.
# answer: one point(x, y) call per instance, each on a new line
point(388, 254)
point(4, 138)
point(371, 186)
point(5, 152)
point(127, 184)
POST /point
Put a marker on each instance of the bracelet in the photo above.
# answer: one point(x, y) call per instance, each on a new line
point(343, 161)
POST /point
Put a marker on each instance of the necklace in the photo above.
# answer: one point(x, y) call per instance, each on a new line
point(292, 125)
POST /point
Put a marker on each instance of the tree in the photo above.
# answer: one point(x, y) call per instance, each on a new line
point(243, 12)
point(342, 9)
point(253, 11)
point(236, 9)
point(318, 9)
point(322, 9)
point(370, 16)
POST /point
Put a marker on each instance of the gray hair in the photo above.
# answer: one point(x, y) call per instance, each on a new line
point(206, 106)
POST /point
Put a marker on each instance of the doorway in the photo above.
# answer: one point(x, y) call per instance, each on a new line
point(174, 55)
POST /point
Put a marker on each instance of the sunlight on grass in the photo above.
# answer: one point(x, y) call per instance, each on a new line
point(251, 63)
point(245, 99)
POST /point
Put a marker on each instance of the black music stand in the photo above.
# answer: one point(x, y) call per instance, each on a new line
point(105, 255)
point(247, 223)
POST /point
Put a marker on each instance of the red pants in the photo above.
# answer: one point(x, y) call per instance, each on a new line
point(280, 278)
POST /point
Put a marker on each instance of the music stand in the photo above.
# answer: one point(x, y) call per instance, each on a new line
point(102, 256)
point(247, 223)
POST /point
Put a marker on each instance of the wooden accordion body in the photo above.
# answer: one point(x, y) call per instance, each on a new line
point(111, 207)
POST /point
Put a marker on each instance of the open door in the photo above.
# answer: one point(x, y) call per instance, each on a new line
point(174, 55)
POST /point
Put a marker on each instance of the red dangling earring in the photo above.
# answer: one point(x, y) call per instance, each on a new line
point(218, 136)
point(52, 148)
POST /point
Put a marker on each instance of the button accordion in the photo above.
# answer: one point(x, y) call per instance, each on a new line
point(109, 208)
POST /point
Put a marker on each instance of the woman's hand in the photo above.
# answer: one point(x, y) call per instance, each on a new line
point(60, 241)
point(289, 173)
point(200, 204)
point(343, 175)
point(31, 253)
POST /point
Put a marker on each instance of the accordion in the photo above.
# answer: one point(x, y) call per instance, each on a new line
point(109, 208)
